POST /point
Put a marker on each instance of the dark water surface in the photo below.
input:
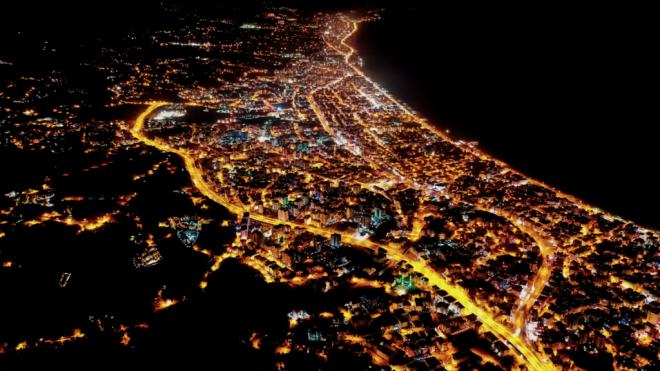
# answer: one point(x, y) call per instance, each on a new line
point(563, 96)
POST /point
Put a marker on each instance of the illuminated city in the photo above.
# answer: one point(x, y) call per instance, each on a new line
point(260, 143)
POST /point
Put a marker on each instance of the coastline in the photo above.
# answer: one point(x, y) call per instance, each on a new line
point(578, 160)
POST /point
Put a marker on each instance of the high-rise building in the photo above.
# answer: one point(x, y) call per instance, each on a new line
point(335, 240)
point(283, 214)
point(245, 223)
point(349, 212)
point(377, 216)
point(378, 213)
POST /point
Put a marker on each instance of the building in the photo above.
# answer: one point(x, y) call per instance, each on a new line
point(283, 214)
point(335, 240)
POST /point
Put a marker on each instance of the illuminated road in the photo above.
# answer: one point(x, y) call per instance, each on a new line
point(527, 355)
point(536, 285)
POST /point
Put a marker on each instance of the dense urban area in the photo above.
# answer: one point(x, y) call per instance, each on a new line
point(262, 142)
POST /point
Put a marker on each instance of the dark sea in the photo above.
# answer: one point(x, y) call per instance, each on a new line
point(565, 95)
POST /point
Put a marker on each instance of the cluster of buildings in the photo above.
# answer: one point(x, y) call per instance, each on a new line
point(339, 186)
